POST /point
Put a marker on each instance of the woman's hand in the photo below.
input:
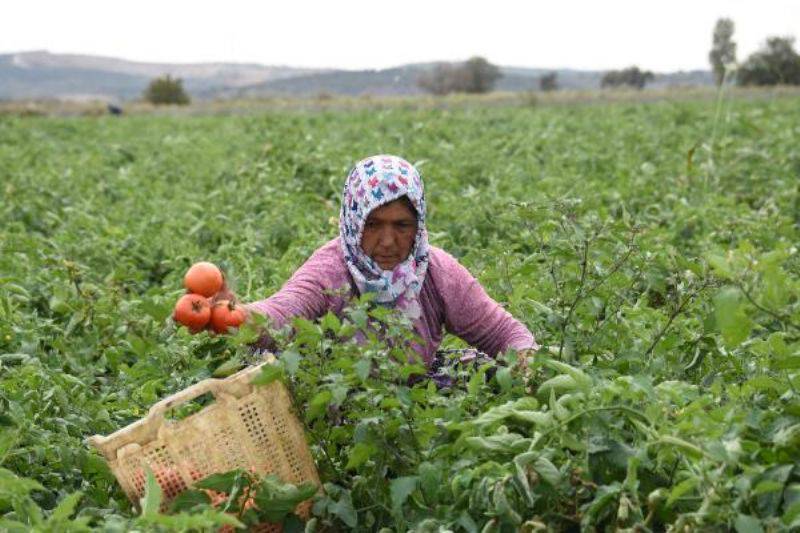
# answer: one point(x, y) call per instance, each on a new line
point(524, 358)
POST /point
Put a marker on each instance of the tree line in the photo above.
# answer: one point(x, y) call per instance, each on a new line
point(776, 63)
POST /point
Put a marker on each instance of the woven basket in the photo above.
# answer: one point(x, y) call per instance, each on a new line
point(249, 427)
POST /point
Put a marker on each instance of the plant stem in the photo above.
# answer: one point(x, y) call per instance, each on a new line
point(578, 296)
point(677, 311)
point(784, 319)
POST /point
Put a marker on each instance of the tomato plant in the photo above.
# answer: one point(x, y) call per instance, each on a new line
point(651, 247)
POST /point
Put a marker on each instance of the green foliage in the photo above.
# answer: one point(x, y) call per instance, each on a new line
point(777, 63)
point(549, 82)
point(631, 77)
point(476, 75)
point(166, 90)
point(651, 248)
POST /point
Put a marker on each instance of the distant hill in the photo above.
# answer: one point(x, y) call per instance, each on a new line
point(42, 75)
point(403, 81)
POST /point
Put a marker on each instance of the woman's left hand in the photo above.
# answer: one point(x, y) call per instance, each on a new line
point(522, 367)
point(524, 357)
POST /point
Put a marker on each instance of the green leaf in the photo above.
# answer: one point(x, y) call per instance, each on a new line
point(466, 521)
point(503, 377)
point(769, 489)
point(222, 482)
point(359, 455)
point(343, 508)
point(580, 378)
point(8, 439)
point(557, 384)
point(268, 374)
point(331, 323)
point(547, 471)
point(276, 499)
point(400, 489)
point(65, 508)
point(767, 486)
point(790, 362)
point(430, 480)
point(12, 485)
point(291, 361)
point(605, 497)
point(208, 520)
point(189, 499)
point(292, 524)
point(680, 489)
point(227, 368)
point(733, 322)
point(319, 404)
point(476, 381)
point(362, 368)
point(720, 265)
point(151, 501)
point(522, 410)
point(501, 443)
point(747, 524)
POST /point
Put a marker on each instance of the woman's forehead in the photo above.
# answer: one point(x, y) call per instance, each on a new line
point(395, 210)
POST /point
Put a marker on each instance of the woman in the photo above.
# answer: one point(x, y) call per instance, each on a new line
point(383, 248)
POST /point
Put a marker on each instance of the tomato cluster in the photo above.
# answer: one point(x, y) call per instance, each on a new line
point(202, 307)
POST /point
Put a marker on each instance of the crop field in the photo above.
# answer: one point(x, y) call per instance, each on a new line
point(650, 247)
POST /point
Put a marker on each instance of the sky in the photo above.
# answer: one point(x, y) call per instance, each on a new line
point(358, 34)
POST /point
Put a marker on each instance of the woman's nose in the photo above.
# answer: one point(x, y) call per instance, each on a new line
point(386, 237)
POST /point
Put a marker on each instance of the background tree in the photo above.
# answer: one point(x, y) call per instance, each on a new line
point(166, 90)
point(549, 81)
point(476, 75)
point(479, 76)
point(776, 63)
point(630, 76)
point(440, 80)
point(723, 49)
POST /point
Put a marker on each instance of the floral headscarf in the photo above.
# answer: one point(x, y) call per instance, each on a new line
point(373, 182)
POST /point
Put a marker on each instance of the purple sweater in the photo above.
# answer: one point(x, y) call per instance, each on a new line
point(450, 297)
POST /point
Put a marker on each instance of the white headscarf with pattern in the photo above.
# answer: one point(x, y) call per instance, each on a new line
point(373, 182)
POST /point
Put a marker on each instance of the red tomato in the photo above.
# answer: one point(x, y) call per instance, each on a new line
point(203, 278)
point(227, 314)
point(193, 311)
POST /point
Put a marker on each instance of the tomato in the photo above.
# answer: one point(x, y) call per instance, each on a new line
point(203, 278)
point(227, 314)
point(193, 311)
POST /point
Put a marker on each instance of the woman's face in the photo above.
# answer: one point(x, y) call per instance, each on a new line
point(389, 233)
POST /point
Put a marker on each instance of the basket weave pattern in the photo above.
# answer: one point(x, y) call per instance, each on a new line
point(248, 427)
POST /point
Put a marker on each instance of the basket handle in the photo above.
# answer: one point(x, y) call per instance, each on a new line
point(186, 395)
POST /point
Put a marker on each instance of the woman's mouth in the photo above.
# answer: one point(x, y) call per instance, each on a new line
point(385, 259)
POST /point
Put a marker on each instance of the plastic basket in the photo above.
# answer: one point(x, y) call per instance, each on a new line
point(247, 426)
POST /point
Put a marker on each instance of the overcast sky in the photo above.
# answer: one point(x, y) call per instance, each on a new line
point(663, 35)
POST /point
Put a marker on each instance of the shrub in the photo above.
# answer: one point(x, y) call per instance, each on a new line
point(166, 90)
point(476, 75)
point(630, 76)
